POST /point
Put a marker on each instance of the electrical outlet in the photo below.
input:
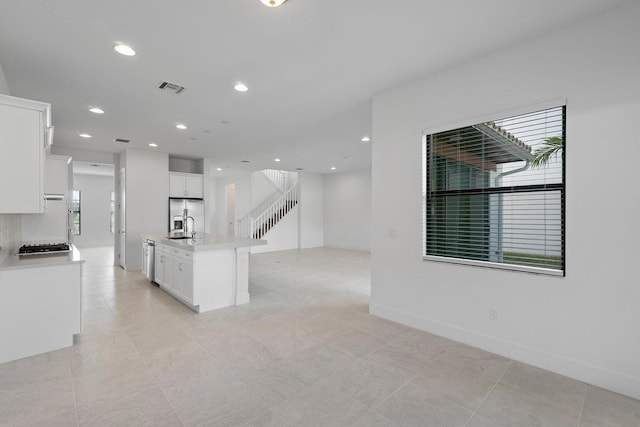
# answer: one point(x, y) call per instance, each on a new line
point(493, 315)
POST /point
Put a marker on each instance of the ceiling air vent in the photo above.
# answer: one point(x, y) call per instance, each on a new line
point(126, 141)
point(170, 87)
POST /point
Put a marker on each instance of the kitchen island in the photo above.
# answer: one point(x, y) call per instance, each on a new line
point(40, 303)
point(205, 273)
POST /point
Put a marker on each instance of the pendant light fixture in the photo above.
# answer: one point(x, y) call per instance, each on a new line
point(273, 3)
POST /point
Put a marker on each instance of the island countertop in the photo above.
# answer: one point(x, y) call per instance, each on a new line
point(41, 260)
point(204, 242)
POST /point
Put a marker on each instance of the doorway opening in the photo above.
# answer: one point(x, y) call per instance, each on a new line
point(94, 213)
point(230, 206)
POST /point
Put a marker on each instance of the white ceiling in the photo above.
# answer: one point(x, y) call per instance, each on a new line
point(312, 67)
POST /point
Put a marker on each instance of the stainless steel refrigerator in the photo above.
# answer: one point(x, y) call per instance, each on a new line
point(186, 216)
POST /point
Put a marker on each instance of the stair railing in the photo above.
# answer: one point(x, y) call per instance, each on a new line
point(280, 179)
point(262, 223)
point(243, 225)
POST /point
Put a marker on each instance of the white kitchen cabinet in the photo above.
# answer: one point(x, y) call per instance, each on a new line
point(56, 174)
point(160, 261)
point(194, 186)
point(174, 271)
point(53, 224)
point(40, 304)
point(25, 134)
point(188, 185)
point(187, 282)
point(208, 273)
point(183, 276)
point(173, 276)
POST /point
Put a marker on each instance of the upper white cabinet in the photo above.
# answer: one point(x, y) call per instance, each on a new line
point(25, 134)
point(53, 225)
point(56, 172)
point(188, 185)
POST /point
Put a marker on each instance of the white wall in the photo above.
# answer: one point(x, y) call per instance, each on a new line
point(4, 86)
point(242, 181)
point(283, 236)
point(147, 199)
point(261, 189)
point(10, 234)
point(88, 156)
point(95, 210)
point(308, 229)
point(311, 210)
point(584, 325)
point(209, 192)
point(347, 210)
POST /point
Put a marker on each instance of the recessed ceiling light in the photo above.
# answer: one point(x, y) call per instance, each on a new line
point(218, 169)
point(96, 110)
point(84, 135)
point(241, 87)
point(123, 49)
point(365, 139)
point(153, 144)
point(273, 3)
point(333, 168)
point(299, 169)
point(225, 122)
point(245, 161)
point(181, 126)
point(276, 160)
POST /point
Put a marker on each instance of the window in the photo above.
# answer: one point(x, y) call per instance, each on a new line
point(75, 212)
point(494, 193)
point(112, 213)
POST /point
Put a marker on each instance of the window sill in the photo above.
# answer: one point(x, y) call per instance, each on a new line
point(496, 265)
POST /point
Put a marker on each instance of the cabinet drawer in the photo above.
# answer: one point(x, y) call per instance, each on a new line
point(184, 255)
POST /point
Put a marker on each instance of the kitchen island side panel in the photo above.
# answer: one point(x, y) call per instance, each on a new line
point(214, 279)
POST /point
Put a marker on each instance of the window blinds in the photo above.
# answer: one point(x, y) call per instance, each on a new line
point(494, 192)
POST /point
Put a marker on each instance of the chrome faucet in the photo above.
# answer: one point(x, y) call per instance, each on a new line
point(185, 221)
point(193, 227)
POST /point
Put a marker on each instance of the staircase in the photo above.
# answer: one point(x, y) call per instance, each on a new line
point(274, 213)
point(268, 213)
point(279, 179)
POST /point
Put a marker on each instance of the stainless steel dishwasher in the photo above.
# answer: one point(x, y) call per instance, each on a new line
point(150, 260)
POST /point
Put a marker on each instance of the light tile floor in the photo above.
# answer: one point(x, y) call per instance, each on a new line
point(304, 352)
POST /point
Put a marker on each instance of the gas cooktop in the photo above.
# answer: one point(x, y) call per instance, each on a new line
point(43, 248)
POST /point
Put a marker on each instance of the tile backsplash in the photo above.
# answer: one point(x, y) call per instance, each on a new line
point(9, 234)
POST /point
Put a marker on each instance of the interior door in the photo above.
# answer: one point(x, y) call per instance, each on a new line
point(122, 217)
point(231, 209)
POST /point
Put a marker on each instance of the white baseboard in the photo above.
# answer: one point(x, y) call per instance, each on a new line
point(577, 369)
point(242, 298)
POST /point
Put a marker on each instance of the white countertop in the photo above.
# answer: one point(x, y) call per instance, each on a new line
point(204, 242)
point(44, 260)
